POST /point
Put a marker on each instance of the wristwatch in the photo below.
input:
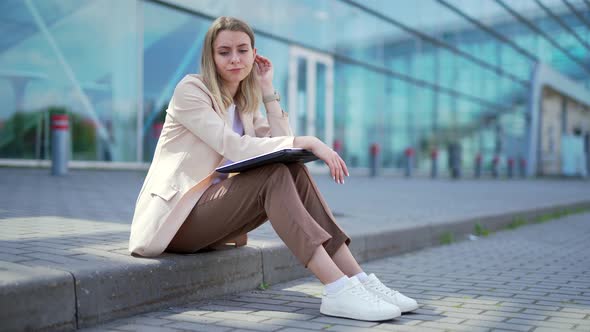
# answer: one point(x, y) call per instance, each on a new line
point(269, 98)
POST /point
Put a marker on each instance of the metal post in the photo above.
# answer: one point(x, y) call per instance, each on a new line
point(434, 167)
point(522, 164)
point(455, 160)
point(338, 147)
point(409, 153)
point(495, 165)
point(59, 144)
point(374, 156)
point(478, 166)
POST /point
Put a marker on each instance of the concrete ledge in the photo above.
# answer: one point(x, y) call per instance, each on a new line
point(103, 290)
point(280, 265)
point(116, 291)
point(461, 228)
point(36, 299)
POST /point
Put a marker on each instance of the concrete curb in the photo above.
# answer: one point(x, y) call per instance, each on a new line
point(123, 291)
point(49, 299)
point(280, 265)
point(36, 299)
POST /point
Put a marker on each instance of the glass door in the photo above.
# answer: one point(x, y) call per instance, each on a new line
point(311, 94)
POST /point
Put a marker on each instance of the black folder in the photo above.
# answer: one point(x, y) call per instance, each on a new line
point(284, 156)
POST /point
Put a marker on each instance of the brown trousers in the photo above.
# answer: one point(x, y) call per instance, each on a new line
point(285, 194)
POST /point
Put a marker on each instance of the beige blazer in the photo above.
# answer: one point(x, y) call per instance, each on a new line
point(196, 138)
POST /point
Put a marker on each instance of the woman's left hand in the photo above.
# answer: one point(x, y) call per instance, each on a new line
point(263, 71)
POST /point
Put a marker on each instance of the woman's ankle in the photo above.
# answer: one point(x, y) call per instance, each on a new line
point(362, 276)
point(336, 286)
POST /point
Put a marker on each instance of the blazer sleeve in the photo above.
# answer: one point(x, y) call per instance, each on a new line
point(193, 108)
point(274, 125)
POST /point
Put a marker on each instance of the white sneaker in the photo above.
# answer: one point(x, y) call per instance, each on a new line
point(354, 301)
point(375, 286)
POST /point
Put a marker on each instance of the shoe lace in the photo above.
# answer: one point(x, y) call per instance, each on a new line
point(365, 295)
point(384, 289)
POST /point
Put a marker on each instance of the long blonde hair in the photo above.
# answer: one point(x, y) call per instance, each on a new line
point(248, 95)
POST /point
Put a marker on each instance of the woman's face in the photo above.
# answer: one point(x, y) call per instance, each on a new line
point(233, 55)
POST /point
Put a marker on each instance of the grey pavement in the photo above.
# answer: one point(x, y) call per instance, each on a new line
point(109, 196)
point(63, 247)
point(535, 278)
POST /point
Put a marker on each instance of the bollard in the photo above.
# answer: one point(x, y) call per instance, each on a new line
point(157, 130)
point(59, 144)
point(338, 147)
point(495, 164)
point(455, 160)
point(434, 165)
point(374, 155)
point(409, 153)
point(522, 165)
point(510, 168)
point(478, 165)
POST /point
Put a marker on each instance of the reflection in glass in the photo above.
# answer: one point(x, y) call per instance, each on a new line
point(320, 97)
point(302, 116)
point(64, 59)
point(391, 87)
point(172, 45)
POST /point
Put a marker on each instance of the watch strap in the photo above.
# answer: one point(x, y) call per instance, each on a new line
point(273, 97)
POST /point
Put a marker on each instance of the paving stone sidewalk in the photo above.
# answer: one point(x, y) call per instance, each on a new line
point(82, 219)
point(63, 245)
point(534, 278)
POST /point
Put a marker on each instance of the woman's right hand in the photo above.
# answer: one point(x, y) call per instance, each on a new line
point(337, 166)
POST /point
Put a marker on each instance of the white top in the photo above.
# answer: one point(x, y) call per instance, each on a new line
point(238, 127)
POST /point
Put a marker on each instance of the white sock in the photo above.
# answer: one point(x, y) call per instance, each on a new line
point(362, 276)
point(336, 286)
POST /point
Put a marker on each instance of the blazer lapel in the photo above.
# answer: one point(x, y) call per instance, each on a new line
point(247, 118)
point(216, 107)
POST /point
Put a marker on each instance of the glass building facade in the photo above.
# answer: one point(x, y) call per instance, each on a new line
point(419, 75)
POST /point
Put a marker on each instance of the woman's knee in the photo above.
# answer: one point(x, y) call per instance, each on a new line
point(275, 170)
point(276, 176)
point(299, 171)
point(296, 167)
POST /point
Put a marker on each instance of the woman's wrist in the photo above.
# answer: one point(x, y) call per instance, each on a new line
point(267, 89)
point(304, 142)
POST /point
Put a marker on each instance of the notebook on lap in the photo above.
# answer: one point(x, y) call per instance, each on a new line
point(284, 156)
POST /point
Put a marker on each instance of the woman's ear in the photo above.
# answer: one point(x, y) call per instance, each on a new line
point(254, 52)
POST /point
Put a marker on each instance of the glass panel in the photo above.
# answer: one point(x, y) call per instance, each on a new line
point(22, 135)
point(278, 53)
point(330, 24)
point(172, 45)
point(65, 59)
point(320, 102)
point(398, 116)
point(62, 58)
point(341, 108)
point(498, 19)
point(349, 92)
point(302, 116)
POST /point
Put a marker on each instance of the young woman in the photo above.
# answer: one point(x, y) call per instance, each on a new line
point(184, 205)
